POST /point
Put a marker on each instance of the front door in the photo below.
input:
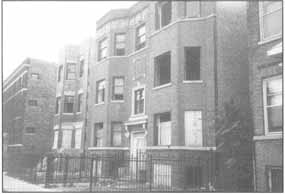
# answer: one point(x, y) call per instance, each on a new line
point(137, 156)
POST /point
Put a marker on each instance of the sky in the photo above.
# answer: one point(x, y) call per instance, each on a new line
point(41, 29)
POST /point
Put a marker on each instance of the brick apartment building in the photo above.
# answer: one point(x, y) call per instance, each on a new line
point(70, 118)
point(162, 72)
point(28, 106)
point(266, 62)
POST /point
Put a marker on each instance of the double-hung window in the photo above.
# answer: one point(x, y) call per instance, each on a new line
point(70, 71)
point(118, 88)
point(272, 91)
point(162, 14)
point(193, 128)
point(68, 104)
point(139, 100)
point(162, 69)
point(270, 19)
point(163, 129)
point(192, 63)
point(140, 37)
point(116, 133)
point(120, 44)
point(100, 92)
point(102, 49)
point(98, 135)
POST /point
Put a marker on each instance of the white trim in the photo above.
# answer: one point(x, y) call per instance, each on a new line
point(70, 61)
point(181, 20)
point(15, 145)
point(117, 101)
point(138, 51)
point(5, 88)
point(192, 81)
point(101, 103)
point(67, 113)
point(180, 148)
point(19, 68)
point(80, 91)
point(162, 86)
point(265, 103)
point(123, 56)
point(56, 127)
point(69, 93)
point(275, 50)
point(268, 137)
point(78, 113)
point(108, 148)
point(277, 37)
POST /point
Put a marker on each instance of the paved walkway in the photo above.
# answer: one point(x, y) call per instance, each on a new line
point(11, 184)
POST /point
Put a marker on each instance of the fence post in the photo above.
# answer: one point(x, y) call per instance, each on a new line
point(150, 173)
point(49, 170)
point(91, 175)
point(65, 174)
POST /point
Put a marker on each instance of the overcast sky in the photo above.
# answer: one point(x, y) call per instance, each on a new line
point(40, 29)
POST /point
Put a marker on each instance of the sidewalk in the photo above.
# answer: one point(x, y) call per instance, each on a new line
point(11, 184)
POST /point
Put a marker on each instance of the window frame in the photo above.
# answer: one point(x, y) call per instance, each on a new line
point(119, 42)
point(35, 76)
point(67, 72)
point(113, 132)
point(34, 104)
point(114, 86)
point(265, 112)
point(100, 49)
point(186, 50)
point(96, 135)
point(30, 133)
point(158, 14)
point(157, 125)
point(97, 91)
point(157, 65)
point(202, 123)
point(140, 45)
point(269, 175)
point(134, 101)
point(67, 103)
point(261, 24)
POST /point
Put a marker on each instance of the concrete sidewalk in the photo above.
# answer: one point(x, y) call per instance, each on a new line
point(11, 184)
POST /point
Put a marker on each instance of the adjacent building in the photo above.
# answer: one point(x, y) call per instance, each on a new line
point(28, 106)
point(163, 71)
point(266, 64)
point(70, 113)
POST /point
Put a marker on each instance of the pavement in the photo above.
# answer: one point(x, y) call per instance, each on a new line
point(11, 184)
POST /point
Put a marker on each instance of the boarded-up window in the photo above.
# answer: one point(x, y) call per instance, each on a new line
point(163, 129)
point(193, 128)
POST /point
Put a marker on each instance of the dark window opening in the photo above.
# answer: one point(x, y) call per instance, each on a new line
point(162, 69)
point(139, 101)
point(68, 104)
point(192, 63)
point(30, 130)
point(33, 103)
point(162, 14)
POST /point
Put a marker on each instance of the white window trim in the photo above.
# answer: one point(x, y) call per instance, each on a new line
point(162, 86)
point(265, 118)
point(261, 15)
point(192, 81)
point(133, 101)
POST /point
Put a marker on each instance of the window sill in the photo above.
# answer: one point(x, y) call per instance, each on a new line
point(138, 51)
point(108, 148)
point(162, 86)
point(118, 56)
point(268, 40)
point(192, 81)
point(270, 136)
point(56, 115)
point(65, 113)
point(78, 113)
point(162, 147)
point(117, 101)
point(99, 104)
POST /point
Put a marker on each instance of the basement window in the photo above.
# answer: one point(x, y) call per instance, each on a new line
point(193, 176)
point(162, 69)
point(192, 63)
point(162, 14)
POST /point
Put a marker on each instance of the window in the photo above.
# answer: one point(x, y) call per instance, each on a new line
point(35, 76)
point(162, 69)
point(275, 179)
point(270, 19)
point(163, 129)
point(118, 88)
point(66, 138)
point(272, 90)
point(193, 8)
point(102, 49)
point(193, 128)
point(59, 74)
point(120, 44)
point(116, 133)
point(140, 37)
point(25, 80)
point(70, 71)
point(30, 130)
point(68, 104)
point(81, 68)
point(98, 135)
point(79, 103)
point(162, 14)
point(139, 67)
point(33, 103)
point(77, 138)
point(192, 63)
point(139, 101)
point(55, 140)
point(100, 91)
point(57, 105)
